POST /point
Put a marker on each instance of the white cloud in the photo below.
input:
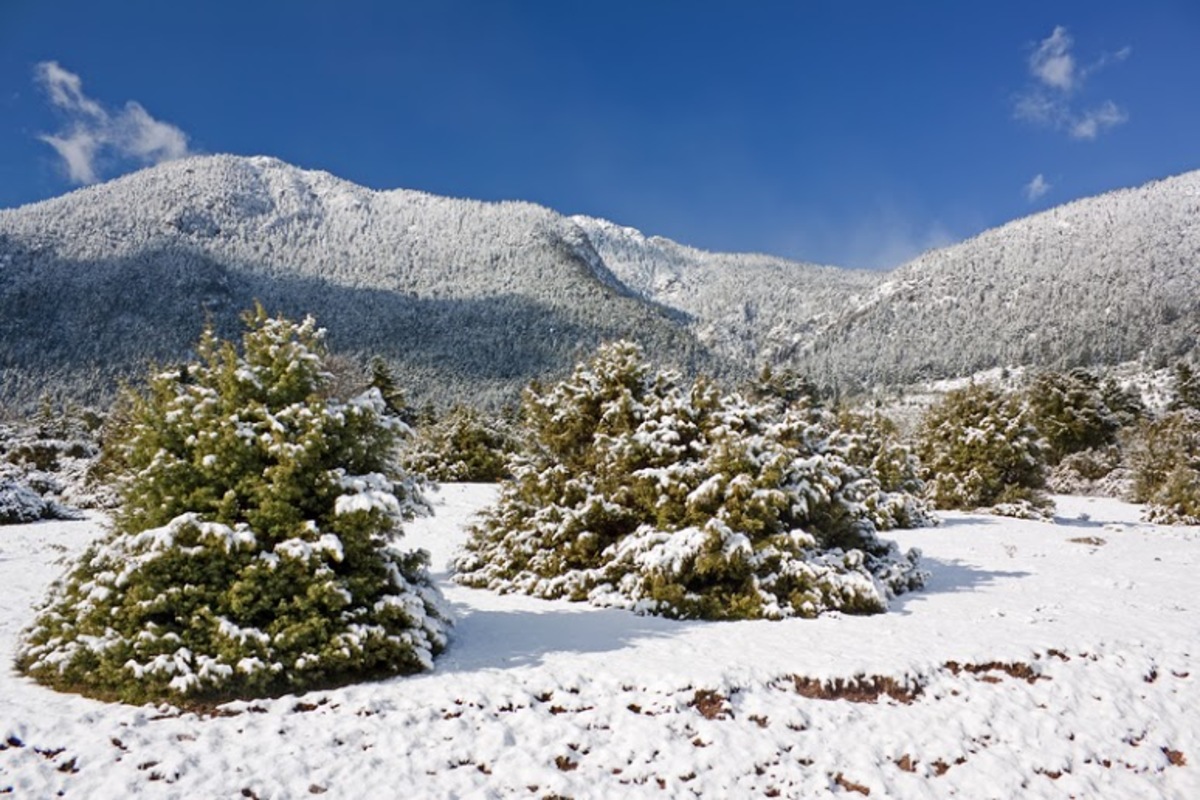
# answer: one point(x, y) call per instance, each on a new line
point(1037, 187)
point(92, 132)
point(1092, 122)
point(78, 152)
point(1051, 101)
point(1052, 62)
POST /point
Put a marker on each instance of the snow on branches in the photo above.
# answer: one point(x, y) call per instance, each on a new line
point(641, 492)
point(254, 551)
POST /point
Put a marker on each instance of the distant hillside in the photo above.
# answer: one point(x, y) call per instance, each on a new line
point(1102, 280)
point(469, 300)
point(750, 307)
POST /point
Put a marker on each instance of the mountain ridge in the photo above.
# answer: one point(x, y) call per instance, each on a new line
point(471, 299)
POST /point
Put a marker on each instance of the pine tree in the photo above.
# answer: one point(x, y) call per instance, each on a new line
point(1069, 412)
point(641, 492)
point(1187, 387)
point(393, 397)
point(254, 551)
point(979, 449)
point(1165, 457)
point(464, 445)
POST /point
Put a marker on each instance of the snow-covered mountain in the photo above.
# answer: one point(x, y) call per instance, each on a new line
point(750, 307)
point(1101, 280)
point(468, 299)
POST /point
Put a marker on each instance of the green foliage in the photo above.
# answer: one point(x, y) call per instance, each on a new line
point(979, 448)
point(254, 550)
point(644, 493)
point(1123, 402)
point(784, 388)
point(1165, 457)
point(1069, 412)
point(464, 445)
point(1187, 388)
point(393, 397)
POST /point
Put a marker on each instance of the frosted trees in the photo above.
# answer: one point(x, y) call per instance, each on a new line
point(1069, 412)
point(1165, 458)
point(644, 493)
point(254, 549)
point(463, 445)
point(979, 448)
point(1164, 454)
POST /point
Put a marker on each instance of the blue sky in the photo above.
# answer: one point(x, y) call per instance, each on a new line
point(852, 133)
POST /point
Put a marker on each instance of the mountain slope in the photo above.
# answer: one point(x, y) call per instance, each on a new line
point(747, 306)
point(469, 300)
point(1098, 281)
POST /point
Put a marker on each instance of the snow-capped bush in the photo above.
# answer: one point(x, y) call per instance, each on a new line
point(51, 455)
point(463, 445)
point(255, 548)
point(1091, 472)
point(20, 504)
point(979, 449)
point(1069, 413)
point(1165, 457)
point(640, 492)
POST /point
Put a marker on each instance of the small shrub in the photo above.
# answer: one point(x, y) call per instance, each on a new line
point(1089, 472)
point(979, 448)
point(464, 445)
point(1164, 455)
point(1069, 413)
point(20, 504)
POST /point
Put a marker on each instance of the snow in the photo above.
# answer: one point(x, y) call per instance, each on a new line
point(1042, 660)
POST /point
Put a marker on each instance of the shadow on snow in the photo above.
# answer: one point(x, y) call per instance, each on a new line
point(495, 639)
point(951, 576)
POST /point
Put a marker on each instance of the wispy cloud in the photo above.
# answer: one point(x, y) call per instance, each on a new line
point(1106, 115)
point(884, 236)
point(1052, 100)
point(92, 133)
point(1037, 187)
point(1052, 62)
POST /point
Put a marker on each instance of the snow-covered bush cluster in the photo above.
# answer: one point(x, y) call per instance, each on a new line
point(19, 504)
point(1164, 455)
point(641, 492)
point(45, 465)
point(463, 445)
point(979, 449)
point(255, 548)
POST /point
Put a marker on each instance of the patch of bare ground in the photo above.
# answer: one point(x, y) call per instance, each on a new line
point(1014, 669)
point(1174, 757)
point(1094, 541)
point(849, 785)
point(710, 704)
point(858, 689)
point(940, 767)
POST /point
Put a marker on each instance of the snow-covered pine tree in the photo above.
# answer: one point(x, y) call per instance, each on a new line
point(1068, 410)
point(1165, 457)
point(254, 551)
point(640, 492)
point(462, 445)
point(979, 449)
point(1186, 387)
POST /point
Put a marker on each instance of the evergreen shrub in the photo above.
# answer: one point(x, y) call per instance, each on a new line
point(255, 548)
point(979, 449)
point(640, 492)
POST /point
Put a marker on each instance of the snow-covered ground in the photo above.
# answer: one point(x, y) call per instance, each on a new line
point(1041, 661)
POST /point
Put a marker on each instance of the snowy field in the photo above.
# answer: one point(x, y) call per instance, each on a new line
point(1042, 661)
